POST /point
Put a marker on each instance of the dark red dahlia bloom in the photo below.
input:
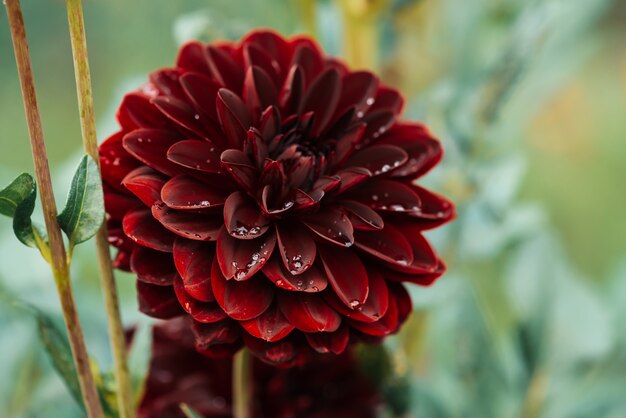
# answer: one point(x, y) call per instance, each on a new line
point(330, 387)
point(269, 192)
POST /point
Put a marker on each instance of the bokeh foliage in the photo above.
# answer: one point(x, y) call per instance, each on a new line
point(526, 96)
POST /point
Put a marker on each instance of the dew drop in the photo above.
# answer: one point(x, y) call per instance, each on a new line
point(354, 303)
point(196, 116)
point(370, 101)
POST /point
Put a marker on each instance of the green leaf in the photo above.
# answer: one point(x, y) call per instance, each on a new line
point(58, 348)
point(84, 210)
point(190, 413)
point(138, 360)
point(15, 193)
point(17, 201)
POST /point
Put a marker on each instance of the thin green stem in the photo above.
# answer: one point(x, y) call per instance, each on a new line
point(58, 261)
point(107, 278)
point(242, 384)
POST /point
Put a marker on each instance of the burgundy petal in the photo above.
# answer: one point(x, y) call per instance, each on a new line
point(202, 91)
point(152, 266)
point(181, 113)
point(208, 335)
point(329, 342)
point(379, 159)
point(243, 217)
point(273, 45)
point(195, 154)
point(273, 175)
point(346, 274)
point(421, 279)
point(282, 353)
point(240, 168)
point(388, 196)
point(270, 326)
point(141, 227)
point(358, 89)
point(374, 308)
point(403, 300)
point(271, 205)
point(116, 162)
point(224, 69)
point(308, 312)
point(145, 183)
point(296, 247)
point(137, 112)
point(322, 98)
point(241, 259)
point(332, 225)
point(388, 244)
point(270, 123)
point(377, 124)
point(206, 312)
point(241, 300)
point(233, 116)
point(255, 56)
point(191, 57)
point(255, 146)
point(150, 147)
point(308, 57)
point(194, 226)
point(435, 209)
point(313, 280)
point(363, 216)
point(389, 100)
point(347, 143)
point(351, 177)
point(194, 261)
point(423, 150)
point(386, 325)
point(117, 204)
point(424, 258)
point(167, 82)
point(259, 91)
point(185, 192)
point(158, 301)
point(292, 91)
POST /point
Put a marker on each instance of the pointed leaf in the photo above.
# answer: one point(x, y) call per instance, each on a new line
point(17, 201)
point(84, 211)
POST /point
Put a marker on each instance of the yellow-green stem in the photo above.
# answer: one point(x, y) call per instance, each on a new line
point(308, 10)
point(88, 126)
point(361, 31)
point(242, 384)
point(58, 256)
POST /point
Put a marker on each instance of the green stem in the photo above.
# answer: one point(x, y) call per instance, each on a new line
point(361, 31)
point(242, 384)
point(107, 278)
point(58, 259)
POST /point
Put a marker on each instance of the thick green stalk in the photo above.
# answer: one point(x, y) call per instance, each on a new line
point(90, 144)
point(58, 261)
point(242, 384)
point(362, 31)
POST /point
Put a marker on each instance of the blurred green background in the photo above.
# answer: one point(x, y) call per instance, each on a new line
point(529, 98)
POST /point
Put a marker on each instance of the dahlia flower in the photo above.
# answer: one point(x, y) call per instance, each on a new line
point(268, 192)
point(330, 387)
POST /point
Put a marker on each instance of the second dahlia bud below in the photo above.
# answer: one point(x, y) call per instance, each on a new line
point(269, 193)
